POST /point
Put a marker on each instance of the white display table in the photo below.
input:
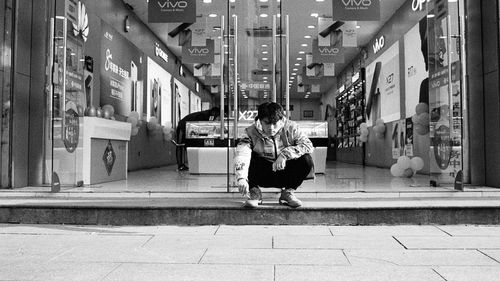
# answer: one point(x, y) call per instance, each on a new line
point(103, 138)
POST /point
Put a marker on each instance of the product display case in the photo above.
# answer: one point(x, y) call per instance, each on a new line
point(207, 151)
point(350, 114)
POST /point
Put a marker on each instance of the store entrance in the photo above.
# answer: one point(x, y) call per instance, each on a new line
point(381, 113)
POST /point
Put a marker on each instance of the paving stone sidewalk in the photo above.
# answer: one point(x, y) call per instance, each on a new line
point(274, 253)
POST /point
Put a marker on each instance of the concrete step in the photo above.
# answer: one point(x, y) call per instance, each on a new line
point(214, 211)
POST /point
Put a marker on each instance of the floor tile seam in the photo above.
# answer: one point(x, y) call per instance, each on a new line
point(439, 274)
point(490, 257)
point(147, 241)
point(111, 271)
point(202, 256)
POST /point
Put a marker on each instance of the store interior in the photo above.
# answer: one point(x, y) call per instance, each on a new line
point(354, 85)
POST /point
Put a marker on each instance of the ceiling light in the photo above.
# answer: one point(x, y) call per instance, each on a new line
point(320, 0)
point(232, 1)
point(299, 58)
point(295, 69)
point(304, 45)
point(264, 58)
point(265, 52)
point(264, 45)
point(278, 15)
point(263, 0)
point(207, 1)
point(297, 64)
point(357, 26)
point(302, 52)
point(314, 15)
point(307, 36)
point(311, 26)
point(263, 15)
point(265, 69)
point(213, 15)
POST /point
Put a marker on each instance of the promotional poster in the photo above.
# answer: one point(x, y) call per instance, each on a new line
point(415, 66)
point(159, 93)
point(386, 104)
point(195, 103)
point(181, 93)
point(120, 71)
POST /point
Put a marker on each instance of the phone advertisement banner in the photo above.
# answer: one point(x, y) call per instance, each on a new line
point(120, 71)
point(159, 93)
point(416, 79)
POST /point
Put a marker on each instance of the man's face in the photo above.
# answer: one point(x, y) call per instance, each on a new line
point(269, 128)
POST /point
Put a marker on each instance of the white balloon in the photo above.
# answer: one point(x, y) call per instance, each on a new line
point(404, 162)
point(153, 120)
point(396, 170)
point(134, 114)
point(416, 163)
point(134, 131)
point(132, 120)
point(380, 122)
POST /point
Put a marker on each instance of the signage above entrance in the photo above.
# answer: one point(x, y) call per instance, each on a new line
point(172, 11)
point(356, 10)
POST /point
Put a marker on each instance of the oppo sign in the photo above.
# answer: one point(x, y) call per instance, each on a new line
point(417, 5)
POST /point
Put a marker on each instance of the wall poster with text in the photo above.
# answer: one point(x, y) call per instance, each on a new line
point(120, 72)
point(181, 93)
point(159, 93)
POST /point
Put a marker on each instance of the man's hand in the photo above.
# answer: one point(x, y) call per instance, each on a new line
point(279, 164)
point(243, 186)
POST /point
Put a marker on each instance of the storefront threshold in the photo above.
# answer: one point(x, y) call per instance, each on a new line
point(215, 211)
point(44, 192)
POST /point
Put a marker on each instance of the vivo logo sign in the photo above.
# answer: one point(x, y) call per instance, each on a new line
point(379, 44)
point(329, 51)
point(160, 53)
point(198, 51)
point(169, 5)
point(417, 5)
point(357, 3)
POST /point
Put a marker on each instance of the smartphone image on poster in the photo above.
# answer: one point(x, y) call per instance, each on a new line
point(133, 77)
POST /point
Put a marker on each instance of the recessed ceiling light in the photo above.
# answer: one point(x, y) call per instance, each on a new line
point(278, 15)
point(299, 58)
point(311, 26)
point(307, 36)
point(265, 69)
point(264, 58)
point(263, 0)
point(297, 64)
point(265, 52)
point(302, 52)
point(320, 0)
point(304, 45)
point(264, 45)
point(295, 69)
point(232, 1)
point(213, 15)
point(314, 15)
point(263, 15)
point(207, 1)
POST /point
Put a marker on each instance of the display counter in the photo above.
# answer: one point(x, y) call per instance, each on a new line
point(208, 154)
point(105, 150)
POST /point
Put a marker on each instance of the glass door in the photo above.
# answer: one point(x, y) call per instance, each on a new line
point(66, 99)
point(448, 153)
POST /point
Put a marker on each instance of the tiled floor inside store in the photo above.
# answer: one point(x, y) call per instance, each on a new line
point(338, 178)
